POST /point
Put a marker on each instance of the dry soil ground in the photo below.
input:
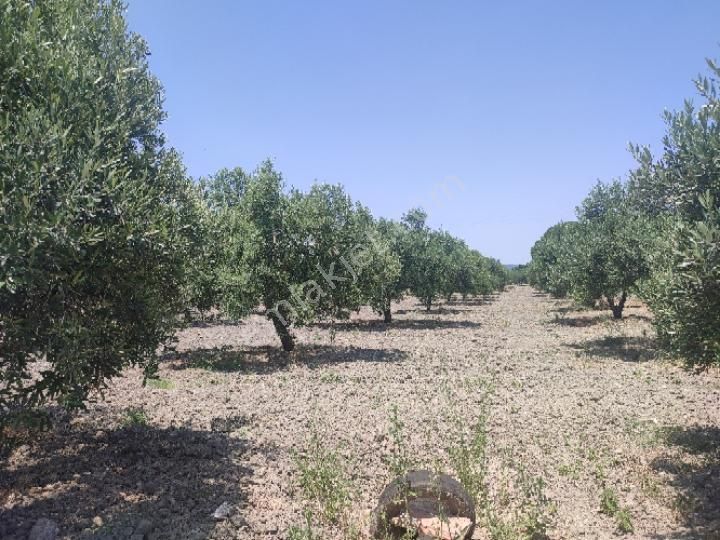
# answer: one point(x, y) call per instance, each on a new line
point(571, 396)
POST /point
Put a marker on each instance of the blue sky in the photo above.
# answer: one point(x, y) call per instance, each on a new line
point(517, 107)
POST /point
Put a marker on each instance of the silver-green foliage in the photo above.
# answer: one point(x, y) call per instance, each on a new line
point(602, 256)
point(680, 191)
point(685, 290)
point(552, 257)
point(608, 258)
point(94, 209)
point(303, 256)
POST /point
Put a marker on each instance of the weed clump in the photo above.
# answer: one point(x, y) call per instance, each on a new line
point(610, 506)
point(134, 417)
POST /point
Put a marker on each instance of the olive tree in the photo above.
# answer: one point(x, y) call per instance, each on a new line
point(384, 281)
point(206, 239)
point(689, 165)
point(608, 257)
point(685, 290)
point(94, 209)
point(224, 189)
point(301, 256)
point(424, 259)
point(520, 274)
point(458, 271)
point(499, 276)
point(680, 192)
point(214, 236)
point(471, 274)
point(550, 268)
point(468, 272)
point(341, 252)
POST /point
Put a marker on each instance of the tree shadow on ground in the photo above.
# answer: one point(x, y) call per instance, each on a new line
point(440, 310)
point(265, 360)
point(627, 349)
point(209, 323)
point(397, 324)
point(637, 317)
point(562, 311)
point(692, 466)
point(592, 318)
point(444, 306)
point(482, 300)
point(117, 483)
point(579, 322)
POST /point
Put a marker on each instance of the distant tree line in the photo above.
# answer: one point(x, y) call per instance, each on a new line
point(105, 241)
point(656, 235)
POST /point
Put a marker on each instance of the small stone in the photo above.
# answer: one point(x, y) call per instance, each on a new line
point(223, 511)
point(98, 521)
point(44, 529)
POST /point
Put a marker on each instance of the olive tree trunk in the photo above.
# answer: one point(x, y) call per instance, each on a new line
point(286, 337)
point(617, 308)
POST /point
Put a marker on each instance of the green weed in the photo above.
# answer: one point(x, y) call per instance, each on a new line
point(134, 417)
point(609, 503)
point(610, 506)
point(330, 377)
point(305, 532)
point(323, 480)
point(624, 521)
point(468, 459)
point(399, 461)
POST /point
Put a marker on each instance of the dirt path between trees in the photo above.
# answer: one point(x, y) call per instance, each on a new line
point(572, 397)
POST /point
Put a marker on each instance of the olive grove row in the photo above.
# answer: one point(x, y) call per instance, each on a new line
point(105, 242)
point(305, 256)
point(657, 235)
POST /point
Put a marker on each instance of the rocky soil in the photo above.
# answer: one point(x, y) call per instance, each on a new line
point(572, 397)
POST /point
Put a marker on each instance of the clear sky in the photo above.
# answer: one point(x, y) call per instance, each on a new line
point(517, 107)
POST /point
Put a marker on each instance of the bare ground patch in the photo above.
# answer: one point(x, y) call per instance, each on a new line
point(572, 397)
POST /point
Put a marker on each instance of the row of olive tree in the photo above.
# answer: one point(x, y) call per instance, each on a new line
point(105, 241)
point(600, 257)
point(658, 234)
point(302, 257)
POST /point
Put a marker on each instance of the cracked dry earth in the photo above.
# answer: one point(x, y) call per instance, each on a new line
point(572, 397)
